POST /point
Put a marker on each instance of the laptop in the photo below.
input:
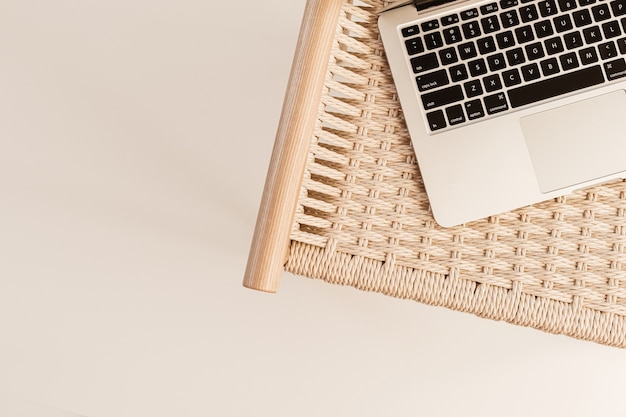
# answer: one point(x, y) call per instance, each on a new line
point(510, 102)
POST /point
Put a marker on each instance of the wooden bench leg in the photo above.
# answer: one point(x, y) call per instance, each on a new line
point(270, 243)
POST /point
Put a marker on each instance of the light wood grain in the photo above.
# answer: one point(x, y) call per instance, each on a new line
point(271, 237)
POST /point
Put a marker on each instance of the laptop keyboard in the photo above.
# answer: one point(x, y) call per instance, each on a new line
point(490, 60)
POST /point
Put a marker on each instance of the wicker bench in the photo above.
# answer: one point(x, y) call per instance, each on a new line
point(344, 203)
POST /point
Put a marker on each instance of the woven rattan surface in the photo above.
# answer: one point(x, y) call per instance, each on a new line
point(363, 217)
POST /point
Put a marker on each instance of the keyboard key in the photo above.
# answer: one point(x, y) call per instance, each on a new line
point(433, 40)
point(607, 50)
point(534, 51)
point(496, 62)
point(554, 87)
point(467, 50)
point(430, 25)
point(583, 3)
point(563, 23)
point(432, 80)
point(477, 67)
point(600, 12)
point(543, 29)
point(474, 109)
point(530, 72)
point(469, 14)
point(471, 29)
point(505, 39)
point(448, 56)
point(436, 120)
point(618, 7)
point(492, 83)
point(549, 67)
point(455, 114)
point(424, 62)
point(547, 8)
point(621, 44)
point(452, 35)
point(566, 5)
point(573, 40)
point(473, 88)
point(582, 18)
point(450, 20)
point(569, 61)
point(515, 57)
point(588, 55)
point(509, 19)
point(414, 46)
point(524, 34)
point(410, 31)
point(529, 13)
point(505, 4)
point(511, 77)
point(615, 69)
point(592, 34)
point(611, 29)
point(442, 97)
point(486, 45)
point(458, 73)
point(490, 24)
point(554, 46)
point(489, 8)
point(496, 103)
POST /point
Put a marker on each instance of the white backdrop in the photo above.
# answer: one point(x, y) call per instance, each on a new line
point(134, 140)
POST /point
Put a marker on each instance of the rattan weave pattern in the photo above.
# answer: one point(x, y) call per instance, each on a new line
point(363, 217)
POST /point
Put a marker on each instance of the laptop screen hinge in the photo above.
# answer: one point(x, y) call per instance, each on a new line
point(427, 4)
point(419, 4)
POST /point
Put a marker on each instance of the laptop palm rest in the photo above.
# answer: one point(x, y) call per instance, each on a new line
point(577, 142)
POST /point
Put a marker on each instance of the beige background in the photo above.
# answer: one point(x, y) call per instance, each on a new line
point(134, 140)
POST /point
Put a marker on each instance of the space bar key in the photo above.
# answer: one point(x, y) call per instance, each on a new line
point(556, 86)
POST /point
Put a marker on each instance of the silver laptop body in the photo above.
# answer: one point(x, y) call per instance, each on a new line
point(509, 103)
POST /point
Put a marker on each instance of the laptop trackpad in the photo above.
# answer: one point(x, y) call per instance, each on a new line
point(578, 142)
